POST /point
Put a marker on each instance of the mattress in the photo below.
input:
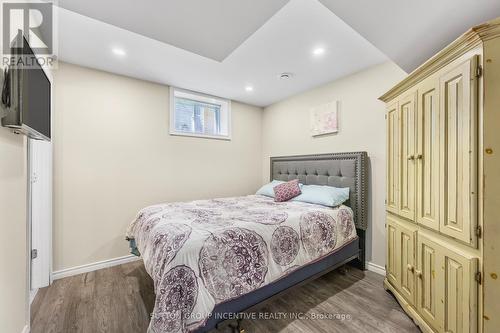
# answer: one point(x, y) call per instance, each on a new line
point(204, 253)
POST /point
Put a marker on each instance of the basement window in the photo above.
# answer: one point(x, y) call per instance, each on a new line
point(199, 115)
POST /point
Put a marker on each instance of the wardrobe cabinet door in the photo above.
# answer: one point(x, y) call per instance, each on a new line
point(460, 292)
point(392, 271)
point(392, 190)
point(428, 154)
point(458, 152)
point(447, 290)
point(406, 249)
point(407, 190)
point(429, 282)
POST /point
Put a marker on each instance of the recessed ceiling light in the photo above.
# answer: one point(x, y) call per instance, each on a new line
point(119, 52)
point(285, 76)
point(249, 88)
point(318, 51)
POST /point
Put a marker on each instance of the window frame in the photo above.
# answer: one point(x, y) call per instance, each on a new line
point(203, 98)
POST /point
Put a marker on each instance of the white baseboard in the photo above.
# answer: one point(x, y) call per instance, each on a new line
point(93, 266)
point(375, 268)
point(26, 329)
point(126, 259)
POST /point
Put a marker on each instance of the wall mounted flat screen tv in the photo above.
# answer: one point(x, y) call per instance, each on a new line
point(29, 96)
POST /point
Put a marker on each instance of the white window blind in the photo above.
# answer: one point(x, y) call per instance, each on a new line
point(199, 115)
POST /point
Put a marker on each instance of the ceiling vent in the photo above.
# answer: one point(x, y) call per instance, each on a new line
point(285, 76)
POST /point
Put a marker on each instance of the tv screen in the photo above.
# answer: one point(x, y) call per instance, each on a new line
point(25, 103)
point(35, 96)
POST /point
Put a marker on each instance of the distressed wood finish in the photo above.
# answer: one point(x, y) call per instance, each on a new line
point(432, 279)
point(401, 261)
point(428, 275)
point(407, 115)
point(392, 270)
point(470, 40)
point(428, 143)
point(449, 301)
point(407, 237)
point(119, 299)
point(457, 187)
point(489, 191)
point(458, 151)
point(393, 155)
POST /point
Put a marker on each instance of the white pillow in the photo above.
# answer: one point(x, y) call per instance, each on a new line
point(268, 189)
point(323, 195)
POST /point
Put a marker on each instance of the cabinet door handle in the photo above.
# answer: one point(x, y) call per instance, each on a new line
point(411, 157)
point(418, 273)
point(410, 268)
point(420, 156)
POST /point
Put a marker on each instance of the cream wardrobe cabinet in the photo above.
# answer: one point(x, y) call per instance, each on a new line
point(443, 187)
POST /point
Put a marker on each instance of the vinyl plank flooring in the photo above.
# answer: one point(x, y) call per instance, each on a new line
point(120, 299)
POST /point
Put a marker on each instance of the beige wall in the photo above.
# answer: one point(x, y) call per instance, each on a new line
point(13, 247)
point(113, 155)
point(362, 127)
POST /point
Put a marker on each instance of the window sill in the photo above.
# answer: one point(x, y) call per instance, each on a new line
point(202, 136)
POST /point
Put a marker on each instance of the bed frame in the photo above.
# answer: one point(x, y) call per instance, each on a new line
point(339, 170)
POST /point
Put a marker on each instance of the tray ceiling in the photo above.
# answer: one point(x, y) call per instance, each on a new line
point(237, 48)
point(409, 32)
point(284, 43)
point(212, 29)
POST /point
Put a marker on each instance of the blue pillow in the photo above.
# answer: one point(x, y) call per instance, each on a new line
point(268, 189)
point(323, 195)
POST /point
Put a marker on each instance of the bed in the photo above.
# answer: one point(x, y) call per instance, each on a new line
point(213, 259)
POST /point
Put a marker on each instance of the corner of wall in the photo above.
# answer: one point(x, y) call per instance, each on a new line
point(361, 127)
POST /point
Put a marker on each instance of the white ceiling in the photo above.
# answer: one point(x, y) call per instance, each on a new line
point(283, 44)
point(209, 28)
point(411, 31)
point(219, 47)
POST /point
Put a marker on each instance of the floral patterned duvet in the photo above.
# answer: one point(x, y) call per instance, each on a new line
point(206, 252)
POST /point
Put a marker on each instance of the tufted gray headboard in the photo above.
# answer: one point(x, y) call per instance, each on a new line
point(338, 169)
